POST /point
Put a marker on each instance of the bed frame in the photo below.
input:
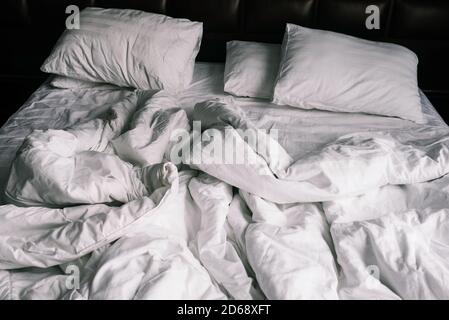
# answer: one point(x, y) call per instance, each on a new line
point(30, 28)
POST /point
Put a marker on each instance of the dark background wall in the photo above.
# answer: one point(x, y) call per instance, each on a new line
point(29, 28)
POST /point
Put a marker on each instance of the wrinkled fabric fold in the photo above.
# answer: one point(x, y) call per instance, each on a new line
point(362, 216)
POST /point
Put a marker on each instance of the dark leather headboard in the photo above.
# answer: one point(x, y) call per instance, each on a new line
point(32, 26)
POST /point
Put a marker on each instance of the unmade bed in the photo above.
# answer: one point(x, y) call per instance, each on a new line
point(352, 206)
point(227, 149)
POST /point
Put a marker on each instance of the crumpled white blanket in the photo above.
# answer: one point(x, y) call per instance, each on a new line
point(351, 165)
point(365, 217)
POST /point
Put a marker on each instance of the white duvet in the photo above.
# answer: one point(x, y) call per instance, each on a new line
point(355, 212)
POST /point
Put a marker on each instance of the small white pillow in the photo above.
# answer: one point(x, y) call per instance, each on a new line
point(330, 71)
point(251, 68)
point(128, 48)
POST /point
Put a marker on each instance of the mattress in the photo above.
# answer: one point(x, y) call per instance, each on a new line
point(338, 206)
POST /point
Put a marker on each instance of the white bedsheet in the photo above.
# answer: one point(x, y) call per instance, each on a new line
point(372, 235)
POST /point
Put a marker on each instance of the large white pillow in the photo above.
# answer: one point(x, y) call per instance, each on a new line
point(128, 48)
point(330, 71)
point(251, 68)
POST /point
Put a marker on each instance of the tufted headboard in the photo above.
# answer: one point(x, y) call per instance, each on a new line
point(30, 27)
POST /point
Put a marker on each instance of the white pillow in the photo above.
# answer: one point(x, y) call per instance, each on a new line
point(251, 68)
point(128, 48)
point(330, 71)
